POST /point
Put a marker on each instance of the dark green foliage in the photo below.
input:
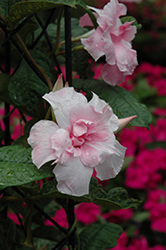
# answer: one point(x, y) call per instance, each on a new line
point(100, 236)
point(16, 167)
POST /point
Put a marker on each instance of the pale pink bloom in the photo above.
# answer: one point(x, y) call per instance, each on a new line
point(82, 139)
point(112, 39)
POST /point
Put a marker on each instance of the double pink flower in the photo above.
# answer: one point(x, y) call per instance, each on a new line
point(82, 139)
point(112, 39)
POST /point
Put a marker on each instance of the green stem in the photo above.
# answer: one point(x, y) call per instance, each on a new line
point(58, 32)
point(5, 199)
point(28, 223)
point(49, 83)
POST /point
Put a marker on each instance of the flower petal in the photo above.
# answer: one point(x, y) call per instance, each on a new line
point(112, 75)
point(85, 21)
point(109, 48)
point(112, 164)
point(126, 57)
point(62, 102)
point(94, 44)
point(39, 140)
point(62, 145)
point(95, 152)
point(74, 178)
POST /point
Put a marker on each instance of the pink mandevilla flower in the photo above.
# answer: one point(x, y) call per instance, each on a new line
point(82, 139)
point(112, 39)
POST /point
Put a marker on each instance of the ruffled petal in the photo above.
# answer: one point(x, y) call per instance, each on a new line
point(62, 145)
point(115, 9)
point(94, 44)
point(112, 75)
point(127, 32)
point(39, 139)
point(126, 57)
point(74, 178)
point(109, 48)
point(101, 106)
point(85, 21)
point(112, 164)
point(114, 122)
point(62, 102)
point(95, 152)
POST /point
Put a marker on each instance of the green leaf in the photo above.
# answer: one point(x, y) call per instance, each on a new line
point(123, 103)
point(116, 198)
point(4, 82)
point(76, 30)
point(22, 140)
point(130, 19)
point(142, 90)
point(25, 87)
point(81, 64)
point(48, 233)
point(16, 167)
point(5, 6)
point(24, 9)
point(100, 236)
point(88, 11)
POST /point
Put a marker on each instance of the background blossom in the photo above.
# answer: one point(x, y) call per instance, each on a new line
point(112, 39)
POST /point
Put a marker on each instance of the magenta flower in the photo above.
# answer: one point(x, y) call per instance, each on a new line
point(112, 39)
point(87, 213)
point(82, 139)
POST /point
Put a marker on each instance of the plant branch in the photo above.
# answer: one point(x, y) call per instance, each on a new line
point(43, 27)
point(49, 83)
point(58, 32)
point(72, 222)
point(68, 54)
point(43, 213)
point(50, 45)
point(24, 55)
point(15, 31)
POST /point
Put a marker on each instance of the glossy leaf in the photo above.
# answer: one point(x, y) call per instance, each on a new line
point(123, 103)
point(88, 11)
point(81, 64)
point(76, 31)
point(16, 167)
point(100, 236)
point(24, 9)
point(25, 87)
point(5, 6)
point(116, 198)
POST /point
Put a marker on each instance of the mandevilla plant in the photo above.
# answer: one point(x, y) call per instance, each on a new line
point(69, 137)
